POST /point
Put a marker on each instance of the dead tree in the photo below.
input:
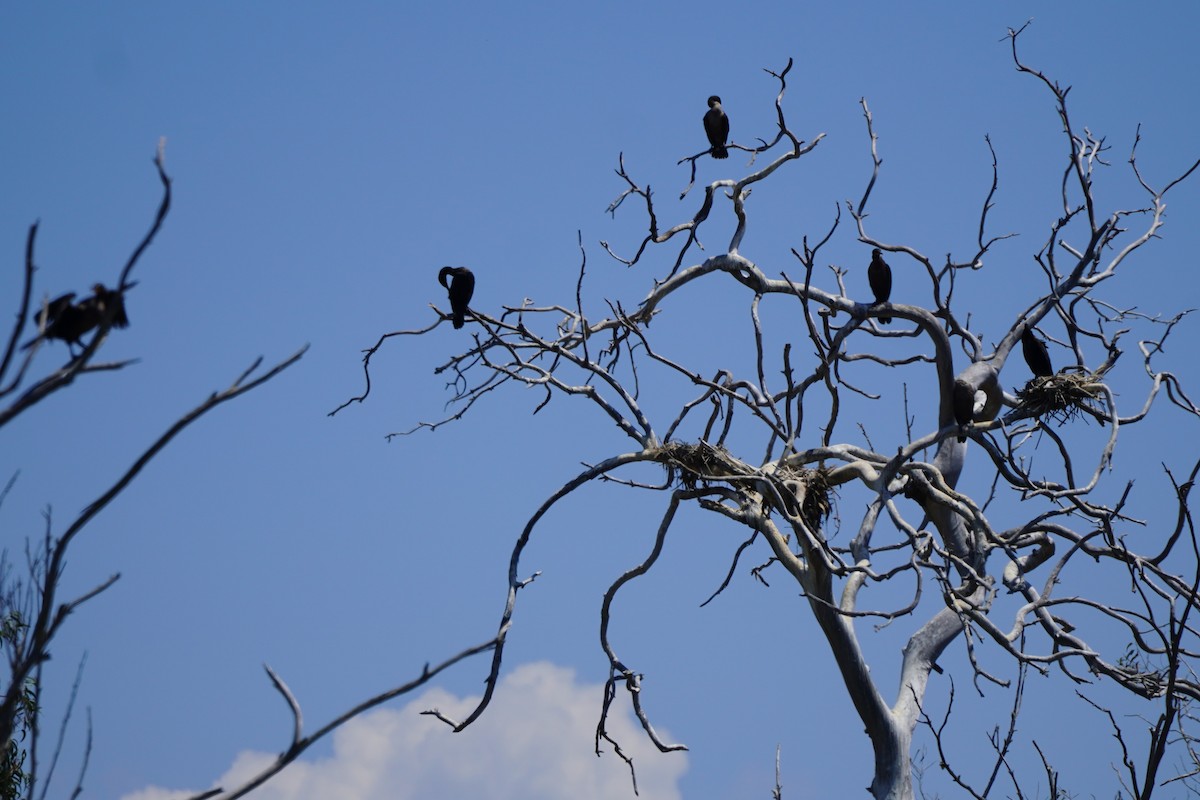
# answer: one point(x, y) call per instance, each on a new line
point(768, 444)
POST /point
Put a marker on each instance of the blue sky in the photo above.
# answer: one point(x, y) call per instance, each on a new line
point(326, 161)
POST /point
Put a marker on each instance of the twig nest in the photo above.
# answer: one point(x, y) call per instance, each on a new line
point(816, 505)
point(703, 463)
point(1063, 395)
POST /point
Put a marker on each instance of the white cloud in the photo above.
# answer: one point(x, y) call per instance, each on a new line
point(535, 741)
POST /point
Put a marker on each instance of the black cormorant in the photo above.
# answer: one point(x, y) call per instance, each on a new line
point(60, 319)
point(879, 275)
point(964, 405)
point(461, 287)
point(716, 126)
point(1036, 355)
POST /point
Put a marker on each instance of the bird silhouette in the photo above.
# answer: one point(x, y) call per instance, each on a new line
point(1036, 356)
point(716, 127)
point(879, 275)
point(461, 287)
point(62, 319)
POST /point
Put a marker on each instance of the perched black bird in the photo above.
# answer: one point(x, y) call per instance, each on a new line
point(1036, 356)
point(879, 275)
point(461, 287)
point(60, 319)
point(964, 404)
point(716, 126)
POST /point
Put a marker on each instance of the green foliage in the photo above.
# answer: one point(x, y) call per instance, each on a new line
point(13, 777)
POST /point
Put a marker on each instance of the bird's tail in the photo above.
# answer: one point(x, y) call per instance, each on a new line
point(719, 151)
point(885, 320)
point(458, 319)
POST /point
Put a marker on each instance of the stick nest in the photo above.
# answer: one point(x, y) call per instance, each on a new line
point(702, 463)
point(1063, 395)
